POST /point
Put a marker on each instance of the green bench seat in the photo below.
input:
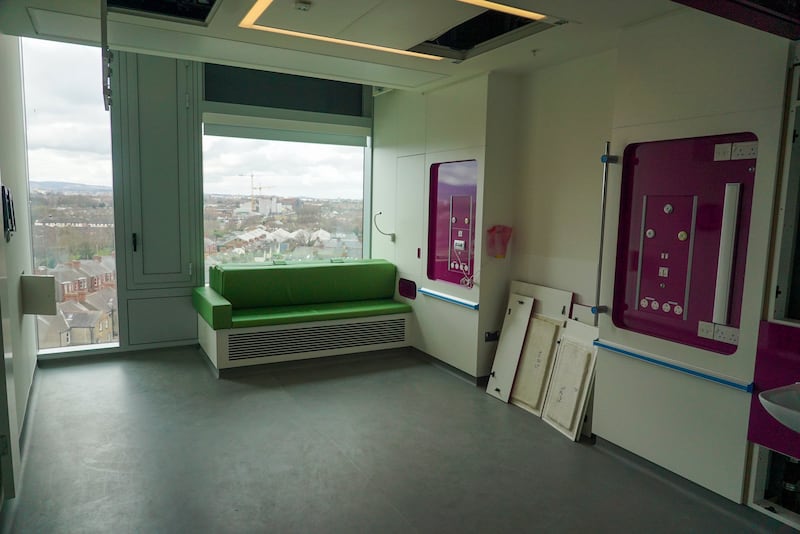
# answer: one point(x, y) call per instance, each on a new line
point(316, 312)
point(251, 295)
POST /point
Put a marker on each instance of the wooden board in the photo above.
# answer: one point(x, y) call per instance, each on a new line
point(553, 306)
point(555, 303)
point(509, 348)
point(535, 365)
point(573, 373)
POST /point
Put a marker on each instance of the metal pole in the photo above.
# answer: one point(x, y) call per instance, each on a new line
point(606, 159)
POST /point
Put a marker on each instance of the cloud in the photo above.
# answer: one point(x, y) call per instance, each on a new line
point(282, 168)
point(69, 137)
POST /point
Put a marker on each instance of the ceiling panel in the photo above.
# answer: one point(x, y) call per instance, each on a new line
point(143, 39)
point(324, 17)
point(403, 24)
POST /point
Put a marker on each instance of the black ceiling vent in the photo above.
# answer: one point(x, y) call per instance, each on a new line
point(196, 11)
point(487, 31)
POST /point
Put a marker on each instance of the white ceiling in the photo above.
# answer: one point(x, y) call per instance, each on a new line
point(397, 24)
point(593, 26)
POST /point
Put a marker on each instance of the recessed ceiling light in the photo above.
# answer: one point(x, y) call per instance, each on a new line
point(506, 9)
point(249, 23)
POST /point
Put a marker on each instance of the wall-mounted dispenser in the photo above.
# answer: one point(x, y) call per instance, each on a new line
point(682, 244)
point(451, 229)
point(497, 238)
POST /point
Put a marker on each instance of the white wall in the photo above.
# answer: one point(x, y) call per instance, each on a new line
point(686, 75)
point(411, 132)
point(471, 120)
point(20, 329)
point(13, 167)
point(565, 116)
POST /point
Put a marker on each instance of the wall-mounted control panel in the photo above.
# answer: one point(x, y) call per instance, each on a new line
point(683, 228)
point(461, 249)
point(451, 228)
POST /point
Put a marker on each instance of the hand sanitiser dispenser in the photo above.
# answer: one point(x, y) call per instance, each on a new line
point(682, 242)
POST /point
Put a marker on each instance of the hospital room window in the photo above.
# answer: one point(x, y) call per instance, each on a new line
point(281, 200)
point(71, 194)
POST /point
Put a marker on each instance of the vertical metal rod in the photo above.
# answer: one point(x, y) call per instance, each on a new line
point(606, 157)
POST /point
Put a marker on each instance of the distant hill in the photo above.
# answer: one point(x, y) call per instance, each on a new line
point(69, 187)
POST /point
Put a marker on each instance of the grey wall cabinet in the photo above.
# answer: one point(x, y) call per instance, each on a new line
point(157, 150)
point(159, 145)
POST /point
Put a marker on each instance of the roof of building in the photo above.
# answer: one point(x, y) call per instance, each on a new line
point(103, 300)
point(52, 323)
point(64, 273)
point(93, 268)
point(87, 319)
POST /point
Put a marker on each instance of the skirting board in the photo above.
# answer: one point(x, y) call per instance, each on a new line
point(240, 347)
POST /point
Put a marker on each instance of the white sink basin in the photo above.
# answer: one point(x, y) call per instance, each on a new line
point(783, 404)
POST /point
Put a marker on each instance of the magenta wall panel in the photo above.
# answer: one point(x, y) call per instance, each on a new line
point(451, 230)
point(777, 364)
point(669, 234)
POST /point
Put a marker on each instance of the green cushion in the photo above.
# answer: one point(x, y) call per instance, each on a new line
point(213, 307)
point(316, 312)
point(259, 285)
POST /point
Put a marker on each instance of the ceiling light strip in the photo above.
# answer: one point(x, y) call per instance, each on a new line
point(249, 23)
point(494, 6)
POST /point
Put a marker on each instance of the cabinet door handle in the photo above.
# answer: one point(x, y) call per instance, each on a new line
point(134, 242)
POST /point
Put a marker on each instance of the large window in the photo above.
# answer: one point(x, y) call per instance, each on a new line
point(271, 200)
point(70, 173)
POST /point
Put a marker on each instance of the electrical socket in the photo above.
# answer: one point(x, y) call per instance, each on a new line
point(705, 330)
point(726, 334)
point(748, 150)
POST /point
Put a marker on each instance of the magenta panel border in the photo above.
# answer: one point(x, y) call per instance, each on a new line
point(454, 180)
point(674, 168)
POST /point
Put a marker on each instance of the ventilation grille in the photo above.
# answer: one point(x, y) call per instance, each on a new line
point(314, 338)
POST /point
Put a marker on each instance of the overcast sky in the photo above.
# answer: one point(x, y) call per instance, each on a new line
point(69, 137)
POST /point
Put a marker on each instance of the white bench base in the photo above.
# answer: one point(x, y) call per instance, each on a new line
point(240, 347)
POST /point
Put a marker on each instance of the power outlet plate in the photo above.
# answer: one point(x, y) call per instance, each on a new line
point(705, 330)
point(726, 334)
point(748, 150)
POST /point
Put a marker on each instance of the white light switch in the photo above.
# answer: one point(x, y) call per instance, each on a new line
point(722, 152)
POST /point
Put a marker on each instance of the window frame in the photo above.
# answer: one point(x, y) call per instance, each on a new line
point(273, 124)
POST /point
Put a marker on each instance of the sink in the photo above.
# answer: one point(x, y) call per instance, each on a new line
point(783, 404)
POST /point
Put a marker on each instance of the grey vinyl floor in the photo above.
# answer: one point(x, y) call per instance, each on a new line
point(383, 442)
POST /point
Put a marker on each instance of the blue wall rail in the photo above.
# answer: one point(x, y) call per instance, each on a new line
point(449, 298)
point(661, 363)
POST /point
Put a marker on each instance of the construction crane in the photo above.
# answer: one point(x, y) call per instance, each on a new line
point(253, 187)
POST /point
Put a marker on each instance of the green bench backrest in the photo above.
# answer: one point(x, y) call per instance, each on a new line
point(258, 285)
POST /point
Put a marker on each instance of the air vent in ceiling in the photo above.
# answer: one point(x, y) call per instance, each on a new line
point(487, 31)
point(194, 11)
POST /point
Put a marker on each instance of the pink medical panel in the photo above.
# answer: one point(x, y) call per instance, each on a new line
point(451, 228)
point(670, 225)
point(777, 365)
